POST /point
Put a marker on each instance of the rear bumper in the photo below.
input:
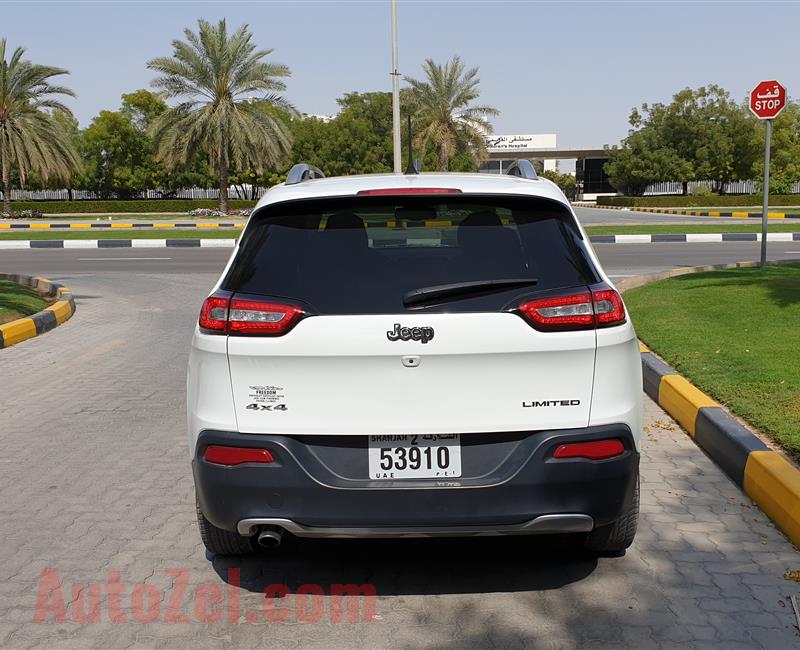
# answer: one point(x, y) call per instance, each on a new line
point(319, 487)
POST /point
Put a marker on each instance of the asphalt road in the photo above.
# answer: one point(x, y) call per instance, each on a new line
point(618, 259)
point(96, 484)
point(602, 217)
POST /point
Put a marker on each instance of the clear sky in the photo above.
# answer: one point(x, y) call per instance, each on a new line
point(574, 68)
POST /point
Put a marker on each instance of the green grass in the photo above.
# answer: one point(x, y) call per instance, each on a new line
point(734, 334)
point(143, 216)
point(723, 226)
point(139, 233)
point(125, 206)
point(17, 301)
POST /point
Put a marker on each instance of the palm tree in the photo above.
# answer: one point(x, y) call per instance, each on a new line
point(30, 139)
point(442, 106)
point(228, 95)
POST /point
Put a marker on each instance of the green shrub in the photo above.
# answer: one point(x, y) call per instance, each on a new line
point(779, 186)
point(680, 201)
point(702, 190)
point(112, 207)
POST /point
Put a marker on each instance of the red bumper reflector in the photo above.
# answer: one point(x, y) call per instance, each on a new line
point(236, 455)
point(594, 450)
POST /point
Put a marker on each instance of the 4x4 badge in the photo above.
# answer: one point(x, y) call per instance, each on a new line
point(423, 334)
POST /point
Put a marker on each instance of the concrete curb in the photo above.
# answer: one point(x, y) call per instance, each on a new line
point(25, 328)
point(691, 213)
point(107, 225)
point(217, 242)
point(766, 476)
point(230, 242)
point(700, 237)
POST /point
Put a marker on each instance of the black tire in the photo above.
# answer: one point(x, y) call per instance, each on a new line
point(614, 538)
point(222, 542)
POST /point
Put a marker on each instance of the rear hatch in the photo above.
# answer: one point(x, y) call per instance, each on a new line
point(401, 314)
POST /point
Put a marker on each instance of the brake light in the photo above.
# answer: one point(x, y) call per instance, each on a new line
point(608, 307)
point(236, 455)
point(214, 314)
point(223, 315)
point(560, 312)
point(265, 318)
point(409, 190)
point(578, 311)
point(594, 450)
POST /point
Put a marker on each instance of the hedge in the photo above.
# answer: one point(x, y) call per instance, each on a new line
point(132, 206)
point(691, 201)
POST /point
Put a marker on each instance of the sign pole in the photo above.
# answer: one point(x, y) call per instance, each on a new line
point(765, 192)
point(767, 100)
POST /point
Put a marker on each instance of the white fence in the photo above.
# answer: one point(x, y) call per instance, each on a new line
point(737, 187)
point(234, 192)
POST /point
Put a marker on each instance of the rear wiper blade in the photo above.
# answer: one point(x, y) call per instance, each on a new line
point(460, 289)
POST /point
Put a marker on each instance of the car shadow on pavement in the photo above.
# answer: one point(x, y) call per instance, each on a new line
point(424, 566)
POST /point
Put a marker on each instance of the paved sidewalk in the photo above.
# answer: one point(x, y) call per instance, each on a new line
point(95, 479)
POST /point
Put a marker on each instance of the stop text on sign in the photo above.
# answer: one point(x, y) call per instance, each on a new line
point(767, 99)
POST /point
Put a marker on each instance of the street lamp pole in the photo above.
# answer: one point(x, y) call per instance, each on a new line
point(395, 95)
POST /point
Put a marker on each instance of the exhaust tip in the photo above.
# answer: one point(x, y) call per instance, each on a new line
point(270, 538)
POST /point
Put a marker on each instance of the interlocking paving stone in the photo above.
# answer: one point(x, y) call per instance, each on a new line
point(96, 478)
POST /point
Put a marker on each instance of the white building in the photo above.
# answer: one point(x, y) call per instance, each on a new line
point(517, 144)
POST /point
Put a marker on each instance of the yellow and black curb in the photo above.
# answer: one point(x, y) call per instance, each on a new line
point(25, 328)
point(692, 213)
point(765, 475)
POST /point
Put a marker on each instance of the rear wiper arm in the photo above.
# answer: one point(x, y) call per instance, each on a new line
point(460, 289)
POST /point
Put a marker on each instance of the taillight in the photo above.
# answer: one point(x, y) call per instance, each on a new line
point(236, 455)
point(594, 450)
point(265, 318)
point(409, 190)
point(560, 312)
point(214, 314)
point(608, 307)
point(247, 317)
point(578, 311)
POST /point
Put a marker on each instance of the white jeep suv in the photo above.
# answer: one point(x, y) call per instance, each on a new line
point(414, 355)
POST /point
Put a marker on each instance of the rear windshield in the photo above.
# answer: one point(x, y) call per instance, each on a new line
point(363, 255)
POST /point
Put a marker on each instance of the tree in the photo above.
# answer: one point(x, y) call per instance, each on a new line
point(216, 75)
point(707, 128)
point(69, 125)
point(566, 182)
point(445, 115)
point(142, 107)
point(357, 141)
point(702, 135)
point(117, 156)
point(30, 139)
point(642, 160)
point(784, 151)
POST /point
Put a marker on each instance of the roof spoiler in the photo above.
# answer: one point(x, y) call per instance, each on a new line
point(523, 169)
point(303, 172)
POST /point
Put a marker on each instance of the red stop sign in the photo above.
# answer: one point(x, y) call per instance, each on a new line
point(767, 99)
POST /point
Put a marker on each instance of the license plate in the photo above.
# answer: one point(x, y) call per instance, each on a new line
point(414, 456)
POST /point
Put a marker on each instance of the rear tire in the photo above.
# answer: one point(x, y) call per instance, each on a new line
point(222, 542)
point(614, 538)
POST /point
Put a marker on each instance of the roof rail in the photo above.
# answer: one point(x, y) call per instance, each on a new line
point(302, 172)
point(524, 169)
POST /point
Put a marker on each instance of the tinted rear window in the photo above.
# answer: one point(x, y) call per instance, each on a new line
point(362, 255)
